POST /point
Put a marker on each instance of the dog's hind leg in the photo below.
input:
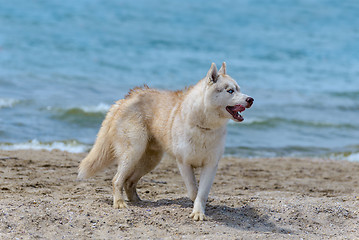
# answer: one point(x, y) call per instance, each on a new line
point(117, 182)
point(148, 161)
point(129, 151)
point(130, 188)
point(126, 170)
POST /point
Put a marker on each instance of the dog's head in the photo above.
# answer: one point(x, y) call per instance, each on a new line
point(225, 95)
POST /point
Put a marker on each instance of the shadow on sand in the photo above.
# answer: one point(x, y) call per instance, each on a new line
point(245, 218)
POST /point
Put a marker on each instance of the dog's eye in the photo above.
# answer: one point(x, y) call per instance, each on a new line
point(230, 91)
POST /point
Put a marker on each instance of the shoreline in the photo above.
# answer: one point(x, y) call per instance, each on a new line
point(273, 198)
point(346, 153)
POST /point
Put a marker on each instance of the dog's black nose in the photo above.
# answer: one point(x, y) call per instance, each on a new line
point(250, 101)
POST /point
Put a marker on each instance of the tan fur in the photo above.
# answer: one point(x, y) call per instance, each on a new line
point(188, 125)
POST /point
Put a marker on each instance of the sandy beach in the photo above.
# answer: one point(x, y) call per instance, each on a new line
point(279, 198)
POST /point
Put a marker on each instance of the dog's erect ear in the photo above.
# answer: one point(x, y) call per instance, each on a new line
point(212, 74)
point(223, 70)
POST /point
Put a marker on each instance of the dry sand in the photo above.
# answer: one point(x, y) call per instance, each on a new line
point(251, 198)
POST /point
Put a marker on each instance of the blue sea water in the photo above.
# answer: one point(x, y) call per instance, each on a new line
point(63, 63)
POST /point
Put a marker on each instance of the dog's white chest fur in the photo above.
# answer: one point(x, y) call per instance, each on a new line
point(196, 146)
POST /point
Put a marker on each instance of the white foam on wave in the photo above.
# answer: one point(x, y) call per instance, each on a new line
point(354, 157)
point(69, 146)
point(349, 156)
point(101, 107)
point(8, 102)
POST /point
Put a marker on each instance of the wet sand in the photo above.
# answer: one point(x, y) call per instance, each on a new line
point(278, 198)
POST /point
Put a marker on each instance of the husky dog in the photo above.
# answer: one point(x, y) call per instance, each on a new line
point(188, 125)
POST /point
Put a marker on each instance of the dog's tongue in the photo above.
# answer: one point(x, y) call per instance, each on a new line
point(235, 110)
point(238, 108)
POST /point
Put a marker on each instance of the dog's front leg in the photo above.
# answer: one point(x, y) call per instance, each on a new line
point(207, 176)
point(189, 179)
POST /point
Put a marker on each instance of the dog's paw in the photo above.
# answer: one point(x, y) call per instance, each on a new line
point(198, 216)
point(119, 204)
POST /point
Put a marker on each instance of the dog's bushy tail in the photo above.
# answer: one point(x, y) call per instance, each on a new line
point(102, 153)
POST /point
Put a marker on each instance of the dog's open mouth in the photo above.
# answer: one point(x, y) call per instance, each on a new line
point(235, 111)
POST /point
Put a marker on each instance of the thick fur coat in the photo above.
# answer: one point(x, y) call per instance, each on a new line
point(188, 125)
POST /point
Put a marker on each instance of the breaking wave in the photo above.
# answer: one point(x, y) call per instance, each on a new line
point(100, 108)
point(86, 116)
point(8, 102)
point(72, 146)
point(351, 154)
point(354, 157)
